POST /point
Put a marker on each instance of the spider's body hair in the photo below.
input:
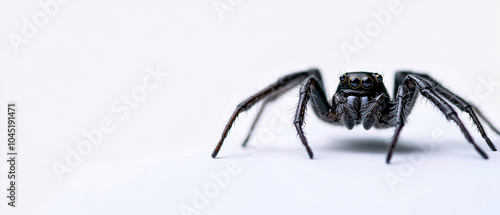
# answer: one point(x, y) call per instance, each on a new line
point(361, 98)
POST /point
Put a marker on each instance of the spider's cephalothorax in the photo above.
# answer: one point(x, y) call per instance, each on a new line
point(361, 98)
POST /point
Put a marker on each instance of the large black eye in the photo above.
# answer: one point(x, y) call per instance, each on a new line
point(354, 82)
point(367, 82)
point(342, 78)
point(378, 78)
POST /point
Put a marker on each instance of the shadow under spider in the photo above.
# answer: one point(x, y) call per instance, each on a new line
point(375, 146)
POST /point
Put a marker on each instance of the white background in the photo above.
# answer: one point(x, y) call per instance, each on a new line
point(66, 78)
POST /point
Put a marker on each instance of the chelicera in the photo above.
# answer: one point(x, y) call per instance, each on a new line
point(362, 99)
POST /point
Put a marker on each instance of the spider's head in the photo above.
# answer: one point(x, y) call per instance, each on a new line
point(361, 82)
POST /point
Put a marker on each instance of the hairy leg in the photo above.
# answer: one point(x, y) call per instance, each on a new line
point(311, 89)
point(426, 89)
point(285, 82)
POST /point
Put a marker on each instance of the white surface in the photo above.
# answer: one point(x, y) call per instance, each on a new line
point(67, 77)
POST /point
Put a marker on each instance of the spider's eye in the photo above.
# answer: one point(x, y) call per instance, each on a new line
point(354, 82)
point(343, 78)
point(367, 82)
point(378, 78)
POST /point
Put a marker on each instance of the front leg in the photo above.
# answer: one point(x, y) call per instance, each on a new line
point(285, 82)
point(320, 106)
point(400, 112)
point(322, 103)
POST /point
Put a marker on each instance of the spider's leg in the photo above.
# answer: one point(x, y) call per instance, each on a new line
point(402, 98)
point(466, 107)
point(273, 96)
point(463, 106)
point(402, 79)
point(481, 115)
point(425, 88)
point(320, 106)
point(264, 104)
point(285, 82)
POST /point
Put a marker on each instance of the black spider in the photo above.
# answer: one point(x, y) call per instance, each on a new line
point(362, 98)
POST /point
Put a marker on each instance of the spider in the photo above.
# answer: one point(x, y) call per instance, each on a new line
point(361, 98)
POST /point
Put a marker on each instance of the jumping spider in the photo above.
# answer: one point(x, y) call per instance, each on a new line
point(361, 98)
